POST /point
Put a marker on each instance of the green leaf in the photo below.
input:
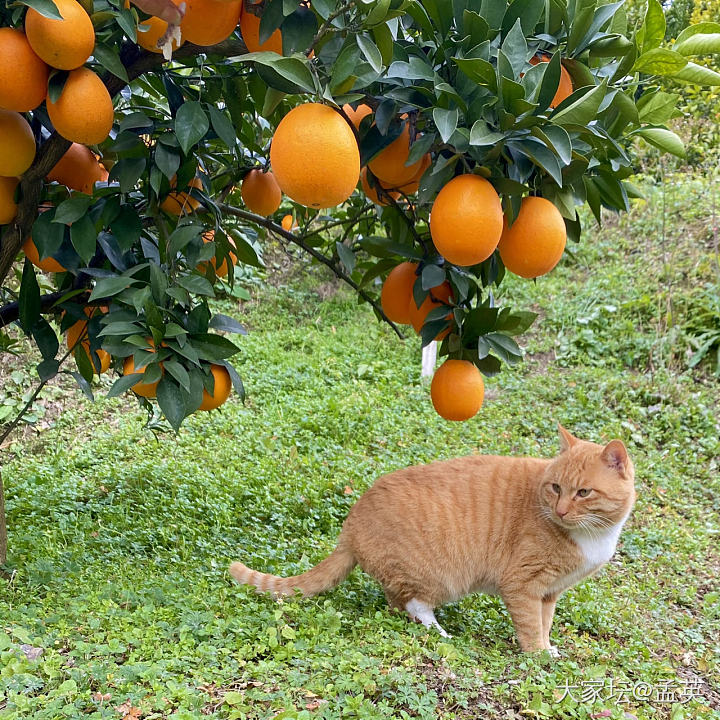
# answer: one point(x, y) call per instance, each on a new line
point(196, 285)
point(478, 70)
point(292, 69)
point(72, 209)
point(371, 52)
point(652, 32)
point(704, 28)
point(171, 402)
point(481, 135)
point(222, 126)
point(528, 12)
point(663, 139)
point(225, 323)
point(29, 302)
point(127, 172)
point(46, 8)
point(178, 372)
point(657, 107)
point(697, 75)
point(84, 238)
point(446, 122)
point(108, 287)
point(191, 124)
point(126, 227)
point(346, 255)
point(123, 384)
point(582, 110)
point(298, 30)
point(432, 276)
point(660, 61)
point(181, 237)
point(167, 160)
point(110, 61)
point(504, 347)
point(700, 44)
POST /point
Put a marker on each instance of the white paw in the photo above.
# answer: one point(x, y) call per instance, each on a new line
point(554, 652)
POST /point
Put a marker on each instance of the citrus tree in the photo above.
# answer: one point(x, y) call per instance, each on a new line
point(423, 148)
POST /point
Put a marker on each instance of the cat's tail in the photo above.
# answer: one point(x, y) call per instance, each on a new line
point(325, 575)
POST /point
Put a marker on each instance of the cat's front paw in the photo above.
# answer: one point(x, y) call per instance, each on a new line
point(554, 652)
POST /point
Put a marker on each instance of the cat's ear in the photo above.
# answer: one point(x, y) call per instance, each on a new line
point(567, 440)
point(615, 456)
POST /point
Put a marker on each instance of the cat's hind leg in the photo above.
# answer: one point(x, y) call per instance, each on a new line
point(424, 613)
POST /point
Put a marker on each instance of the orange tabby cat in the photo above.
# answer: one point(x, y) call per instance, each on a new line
point(524, 528)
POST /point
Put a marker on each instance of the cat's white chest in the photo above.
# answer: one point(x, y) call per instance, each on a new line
point(596, 548)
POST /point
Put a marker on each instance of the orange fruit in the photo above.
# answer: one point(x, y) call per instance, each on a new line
point(78, 169)
point(356, 115)
point(181, 203)
point(84, 111)
point(287, 223)
point(250, 31)
point(389, 164)
point(156, 28)
point(466, 220)
point(221, 271)
point(223, 388)
point(17, 144)
point(372, 192)
point(315, 156)
point(397, 292)
point(23, 75)
point(439, 295)
point(414, 184)
point(534, 243)
point(48, 264)
point(565, 88)
point(261, 193)
point(63, 44)
point(8, 206)
point(457, 390)
point(147, 390)
point(78, 330)
point(208, 22)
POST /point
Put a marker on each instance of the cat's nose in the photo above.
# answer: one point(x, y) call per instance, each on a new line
point(561, 513)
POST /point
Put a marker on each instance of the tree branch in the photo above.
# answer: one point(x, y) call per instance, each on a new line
point(290, 237)
point(136, 63)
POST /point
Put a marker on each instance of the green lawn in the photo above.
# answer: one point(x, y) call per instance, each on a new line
point(120, 540)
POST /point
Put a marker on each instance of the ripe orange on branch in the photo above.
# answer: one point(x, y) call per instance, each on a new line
point(373, 193)
point(565, 88)
point(414, 184)
point(389, 164)
point(48, 264)
point(181, 203)
point(534, 243)
point(63, 44)
point(466, 220)
point(250, 31)
point(221, 271)
point(315, 157)
point(77, 335)
point(156, 28)
point(23, 75)
point(208, 22)
point(78, 169)
point(222, 390)
point(146, 390)
point(84, 111)
point(17, 144)
point(8, 206)
point(437, 297)
point(356, 115)
point(397, 292)
point(261, 193)
point(457, 390)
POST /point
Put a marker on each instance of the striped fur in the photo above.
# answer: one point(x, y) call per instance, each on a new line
point(516, 527)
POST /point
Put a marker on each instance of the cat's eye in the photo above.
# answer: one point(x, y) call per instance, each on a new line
point(583, 492)
point(556, 488)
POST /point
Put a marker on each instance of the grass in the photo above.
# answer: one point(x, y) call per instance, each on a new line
point(120, 541)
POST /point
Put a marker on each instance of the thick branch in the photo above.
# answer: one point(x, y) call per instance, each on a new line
point(136, 63)
point(290, 237)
